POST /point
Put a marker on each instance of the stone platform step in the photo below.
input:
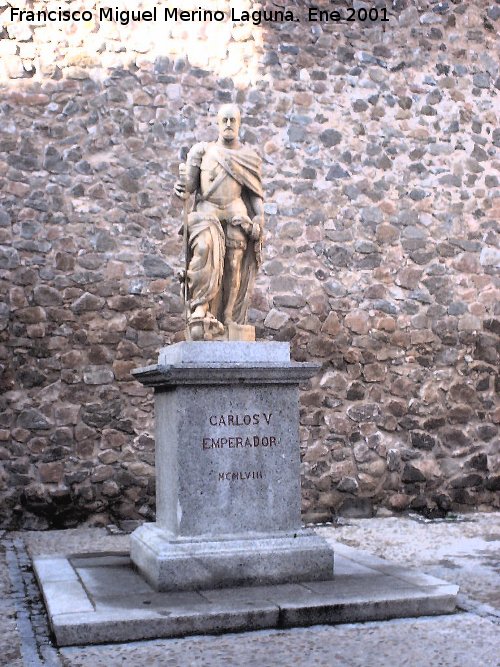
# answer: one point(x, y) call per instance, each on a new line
point(100, 598)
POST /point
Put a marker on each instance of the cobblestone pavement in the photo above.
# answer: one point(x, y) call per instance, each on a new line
point(464, 552)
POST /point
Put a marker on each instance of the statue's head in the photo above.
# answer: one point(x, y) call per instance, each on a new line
point(229, 120)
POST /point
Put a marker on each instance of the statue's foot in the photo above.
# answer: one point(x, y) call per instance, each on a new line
point(204, 326)
point(196, 331)
point(215, 325)
point(228, 318)
point(198, 313)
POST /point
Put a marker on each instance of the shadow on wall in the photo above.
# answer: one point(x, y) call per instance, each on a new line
point(380, 145)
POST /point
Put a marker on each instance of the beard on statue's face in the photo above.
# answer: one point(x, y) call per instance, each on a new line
point(228, 133)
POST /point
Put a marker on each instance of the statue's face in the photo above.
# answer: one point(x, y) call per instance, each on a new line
point(229, 120)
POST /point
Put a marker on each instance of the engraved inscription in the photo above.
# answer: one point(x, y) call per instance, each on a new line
point(240, 443)
point(239, 476)
point(241, 420)
point(254, 420)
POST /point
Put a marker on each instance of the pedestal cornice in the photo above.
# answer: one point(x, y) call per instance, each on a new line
point(159, 375)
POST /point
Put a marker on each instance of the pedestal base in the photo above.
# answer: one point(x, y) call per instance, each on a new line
point(227, 470)
point(176, 564)
point(96, 598)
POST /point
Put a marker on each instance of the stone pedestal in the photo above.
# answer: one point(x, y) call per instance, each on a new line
point(227, 467)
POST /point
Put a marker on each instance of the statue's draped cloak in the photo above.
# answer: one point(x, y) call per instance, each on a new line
point(243, 165)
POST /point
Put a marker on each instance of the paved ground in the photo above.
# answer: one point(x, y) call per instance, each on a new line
point(462, 552)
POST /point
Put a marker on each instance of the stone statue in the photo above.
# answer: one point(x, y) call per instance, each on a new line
point(223, 231)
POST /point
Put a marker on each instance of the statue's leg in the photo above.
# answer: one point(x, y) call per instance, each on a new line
point(200, 249)
point(234, 257)
point(206, 261)
point(236, 242)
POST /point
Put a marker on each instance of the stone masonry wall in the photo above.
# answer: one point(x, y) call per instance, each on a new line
point(381, 146)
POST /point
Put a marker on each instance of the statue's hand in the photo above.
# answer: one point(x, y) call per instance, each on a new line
point(257, 224)
point(180, 190)
point(244, 223)
point(180, 186)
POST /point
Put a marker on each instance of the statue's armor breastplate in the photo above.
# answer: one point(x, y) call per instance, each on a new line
point(210, 170)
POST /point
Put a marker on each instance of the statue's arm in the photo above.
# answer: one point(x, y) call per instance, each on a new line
point(189, 173)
